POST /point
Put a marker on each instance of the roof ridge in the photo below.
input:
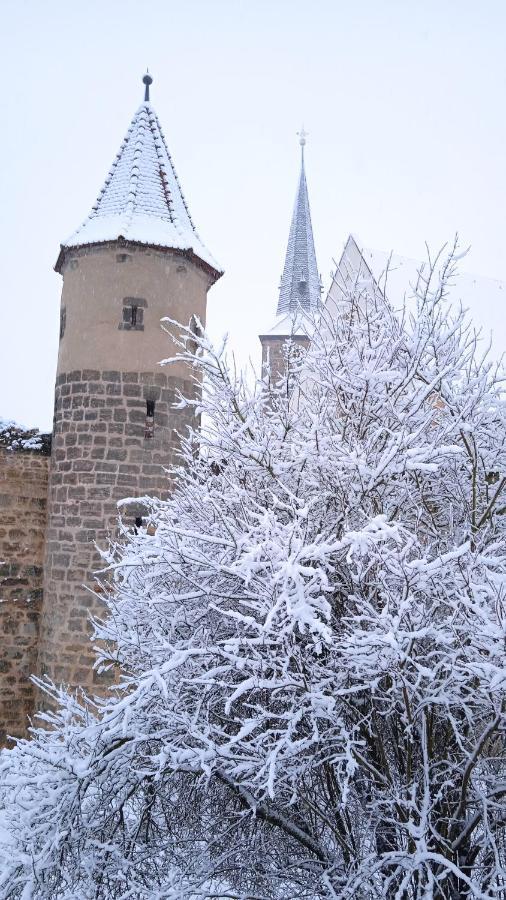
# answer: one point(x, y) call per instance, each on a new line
point(162, 135)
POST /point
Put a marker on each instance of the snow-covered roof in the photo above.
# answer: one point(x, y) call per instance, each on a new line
point(485, 298)
point(141, 200)
point(296, 324)
point(300, 283)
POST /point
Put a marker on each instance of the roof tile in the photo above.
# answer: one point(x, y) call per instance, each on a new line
point(141, 200)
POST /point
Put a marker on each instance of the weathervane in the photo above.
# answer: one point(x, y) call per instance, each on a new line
point(147, 80)
point(302, 135)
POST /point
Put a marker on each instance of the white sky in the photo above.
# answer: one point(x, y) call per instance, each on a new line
point(404, 101)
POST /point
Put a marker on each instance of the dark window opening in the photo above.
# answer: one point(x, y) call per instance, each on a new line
point(150, 419)
point(123, 257)
point(133, 314)
point(132, 317)
point(138, 522)
point(63, 321)
point(195, 329)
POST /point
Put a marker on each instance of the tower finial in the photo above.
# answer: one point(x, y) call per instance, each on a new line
point(302, 134)
point(147, 80)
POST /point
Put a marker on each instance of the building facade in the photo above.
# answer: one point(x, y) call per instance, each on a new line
point(135, 260)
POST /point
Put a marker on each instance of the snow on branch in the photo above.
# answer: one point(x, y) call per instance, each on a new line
point(310, 639)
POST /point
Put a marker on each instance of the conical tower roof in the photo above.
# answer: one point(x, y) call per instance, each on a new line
point(300, 286)
point(141, 201)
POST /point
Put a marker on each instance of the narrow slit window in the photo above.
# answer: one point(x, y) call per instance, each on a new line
point(192, 345)
point(134, 316)
point(150, 419)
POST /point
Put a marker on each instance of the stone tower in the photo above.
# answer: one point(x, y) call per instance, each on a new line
point(300, 287)
point(136, 259)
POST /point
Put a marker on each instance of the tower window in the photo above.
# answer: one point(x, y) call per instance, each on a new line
point(63, 320)
point(195, 329)
point(150, 419)
point(123, 257)
point(133, 314)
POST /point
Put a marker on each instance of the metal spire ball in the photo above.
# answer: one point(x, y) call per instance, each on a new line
point(302, 134)
point(147, 80)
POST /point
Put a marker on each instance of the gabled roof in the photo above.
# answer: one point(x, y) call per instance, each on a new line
point(300, 283)
point(141, 201)
point(367, 270)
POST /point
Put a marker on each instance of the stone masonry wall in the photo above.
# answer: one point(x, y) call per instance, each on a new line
point(23, 502)
point(101, 454)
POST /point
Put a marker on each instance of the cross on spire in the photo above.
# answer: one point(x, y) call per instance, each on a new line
point(302, 135)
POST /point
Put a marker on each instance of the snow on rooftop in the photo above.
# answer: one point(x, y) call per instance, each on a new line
point(295, 323)
point(300, 282)
point(484, 298)
point(141, 200)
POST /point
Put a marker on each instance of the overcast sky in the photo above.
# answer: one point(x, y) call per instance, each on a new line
point(404, 102)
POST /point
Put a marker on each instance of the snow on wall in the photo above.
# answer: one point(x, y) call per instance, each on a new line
point(15, 437)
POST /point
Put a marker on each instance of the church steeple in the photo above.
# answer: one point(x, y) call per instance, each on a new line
point(300, 286)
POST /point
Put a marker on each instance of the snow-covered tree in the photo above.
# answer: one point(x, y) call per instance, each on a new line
point(309, 639)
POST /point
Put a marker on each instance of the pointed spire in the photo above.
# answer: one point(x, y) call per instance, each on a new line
point(141, 200)
point(300, 286)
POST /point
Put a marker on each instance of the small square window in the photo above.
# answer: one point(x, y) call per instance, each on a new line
point(133, 314)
